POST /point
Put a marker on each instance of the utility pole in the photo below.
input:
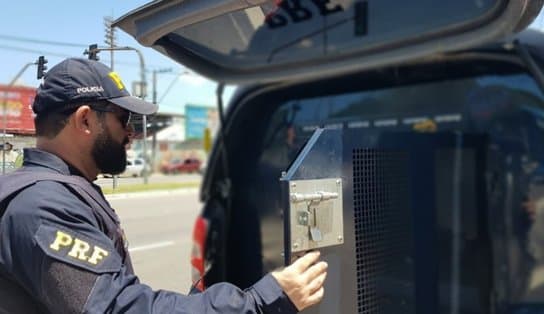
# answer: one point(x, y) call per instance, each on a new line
point(154, 140)
point(92, 52)
point(155, 72)
point(110, 37)
point(110, 41)
point(41, 68)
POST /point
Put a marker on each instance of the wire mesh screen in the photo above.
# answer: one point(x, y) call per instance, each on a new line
point(383, 232)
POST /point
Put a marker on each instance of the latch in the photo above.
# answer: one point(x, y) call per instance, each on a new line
point(314, 197)
point(310, 216)
point(316, 213)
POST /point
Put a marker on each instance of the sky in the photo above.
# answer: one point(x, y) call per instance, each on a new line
point(58, 29)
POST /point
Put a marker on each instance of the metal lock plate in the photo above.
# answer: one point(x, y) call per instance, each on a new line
point(316, 214)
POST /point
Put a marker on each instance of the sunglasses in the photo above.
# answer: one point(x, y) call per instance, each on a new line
point(124, 117)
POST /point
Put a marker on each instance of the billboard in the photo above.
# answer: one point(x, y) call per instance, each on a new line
point(16, 103)
point(197, 119)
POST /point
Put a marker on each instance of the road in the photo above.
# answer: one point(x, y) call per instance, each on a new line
point(159, 228)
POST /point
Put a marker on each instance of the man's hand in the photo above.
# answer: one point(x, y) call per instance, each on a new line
point(303, 280)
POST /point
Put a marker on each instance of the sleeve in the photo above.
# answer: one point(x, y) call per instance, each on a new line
point(52, 246)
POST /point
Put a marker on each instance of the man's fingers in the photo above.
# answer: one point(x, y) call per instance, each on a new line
point(303, 280)
point(317, 283)
point(305, 261)
point(315, 298)
point(316, 270)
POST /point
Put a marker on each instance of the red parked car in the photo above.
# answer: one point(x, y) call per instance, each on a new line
point(189, 165)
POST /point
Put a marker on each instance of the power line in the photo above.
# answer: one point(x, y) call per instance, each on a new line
point(55, 54)
point(54, 43)
point(40, 52)
point(168, 89)
point(41, 41)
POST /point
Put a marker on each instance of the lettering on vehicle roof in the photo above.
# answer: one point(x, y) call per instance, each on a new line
point(386, 122)
point(358, 124)
point(334, 126)
point(418, 123)
point(309, 128)
point(448, 118)
point(300, 11)
point(414, 120)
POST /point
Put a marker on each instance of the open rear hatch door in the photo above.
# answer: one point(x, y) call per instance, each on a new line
point(248, 41)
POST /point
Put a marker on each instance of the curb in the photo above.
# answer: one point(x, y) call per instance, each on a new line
point(151, 193)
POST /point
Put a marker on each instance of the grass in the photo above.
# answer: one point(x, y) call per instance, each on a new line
point(130, 188)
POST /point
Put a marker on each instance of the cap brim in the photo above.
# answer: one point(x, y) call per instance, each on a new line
point(134, 104)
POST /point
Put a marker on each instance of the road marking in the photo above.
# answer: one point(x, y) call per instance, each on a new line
point(151, 246)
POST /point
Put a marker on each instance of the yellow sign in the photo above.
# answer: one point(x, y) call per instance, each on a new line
point(207, 141)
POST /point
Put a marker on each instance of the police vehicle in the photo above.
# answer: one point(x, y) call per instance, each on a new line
point(403, 139)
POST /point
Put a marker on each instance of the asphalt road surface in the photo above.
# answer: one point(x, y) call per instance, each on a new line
point(159, 227)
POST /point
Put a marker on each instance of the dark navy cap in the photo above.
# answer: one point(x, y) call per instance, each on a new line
point(76, 80)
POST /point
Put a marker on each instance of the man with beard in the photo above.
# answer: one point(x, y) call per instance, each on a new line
point(61, 246)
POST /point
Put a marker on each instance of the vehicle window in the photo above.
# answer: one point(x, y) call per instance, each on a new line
point(129, 163)
point(277, 32)
point(456, 104)
point(138, 162)
point(506, 111)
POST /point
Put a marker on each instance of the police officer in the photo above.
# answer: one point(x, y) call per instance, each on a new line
point(61, 247)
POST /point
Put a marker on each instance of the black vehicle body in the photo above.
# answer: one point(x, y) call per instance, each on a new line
point(502, 147)
point(441, 159)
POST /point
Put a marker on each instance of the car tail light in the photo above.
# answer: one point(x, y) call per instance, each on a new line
point(198, 261)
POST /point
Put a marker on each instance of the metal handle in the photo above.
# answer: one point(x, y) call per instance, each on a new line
point(313, 197)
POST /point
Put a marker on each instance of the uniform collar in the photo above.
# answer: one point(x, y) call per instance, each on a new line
point(41, 158)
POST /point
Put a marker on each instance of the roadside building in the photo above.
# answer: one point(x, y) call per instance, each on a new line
point(17, 123)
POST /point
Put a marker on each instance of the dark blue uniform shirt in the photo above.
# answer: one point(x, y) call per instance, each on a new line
point(70, 258)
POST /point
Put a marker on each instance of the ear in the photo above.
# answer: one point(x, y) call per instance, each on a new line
point(84, 120)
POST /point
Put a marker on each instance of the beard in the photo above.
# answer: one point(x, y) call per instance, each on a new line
point(109, 155)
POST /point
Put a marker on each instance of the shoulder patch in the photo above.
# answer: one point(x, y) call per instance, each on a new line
point(76, 249)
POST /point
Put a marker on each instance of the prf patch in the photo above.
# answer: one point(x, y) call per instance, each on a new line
point(117, 80)
point(78, 248)
point(83, 251)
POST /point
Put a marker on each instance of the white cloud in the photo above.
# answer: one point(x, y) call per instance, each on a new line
point(194, 80)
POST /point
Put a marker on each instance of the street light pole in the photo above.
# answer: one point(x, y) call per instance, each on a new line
point(5, 114)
